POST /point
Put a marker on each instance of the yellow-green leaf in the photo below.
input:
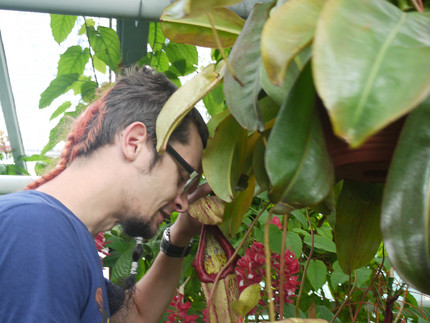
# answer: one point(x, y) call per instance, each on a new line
point(236, 210)
point(195, 8)
point(371, 65)
point(248, 299)
point(222, 158)
point(296, 19)
point(198, 30)
point(182, 101)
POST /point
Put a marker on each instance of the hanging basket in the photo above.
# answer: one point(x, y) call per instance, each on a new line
point(367, 163)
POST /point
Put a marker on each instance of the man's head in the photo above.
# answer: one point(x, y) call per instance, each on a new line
point(134, 101)
point(138, 95)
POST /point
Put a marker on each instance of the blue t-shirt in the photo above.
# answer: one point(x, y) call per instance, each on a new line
point(50, 270)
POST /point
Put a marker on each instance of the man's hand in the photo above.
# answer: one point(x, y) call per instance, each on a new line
point(186, 226)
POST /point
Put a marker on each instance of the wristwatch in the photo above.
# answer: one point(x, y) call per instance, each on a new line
point(174, 251)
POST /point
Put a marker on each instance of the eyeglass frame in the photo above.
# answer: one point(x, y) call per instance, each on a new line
point(194, 175)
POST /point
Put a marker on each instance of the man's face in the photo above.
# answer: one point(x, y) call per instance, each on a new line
point(159, 192)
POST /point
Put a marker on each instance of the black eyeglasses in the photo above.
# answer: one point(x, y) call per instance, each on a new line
point(194, 176)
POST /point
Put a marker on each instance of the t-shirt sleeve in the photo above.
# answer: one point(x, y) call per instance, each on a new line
point(42, 275)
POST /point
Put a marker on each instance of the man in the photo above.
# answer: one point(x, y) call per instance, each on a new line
point(109, 172)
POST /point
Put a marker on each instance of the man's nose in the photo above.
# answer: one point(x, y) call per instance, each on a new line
point(181, 202)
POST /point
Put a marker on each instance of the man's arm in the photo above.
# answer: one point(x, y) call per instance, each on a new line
point(155, 290)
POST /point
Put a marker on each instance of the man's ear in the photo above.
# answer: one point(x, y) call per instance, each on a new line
point(133, 139)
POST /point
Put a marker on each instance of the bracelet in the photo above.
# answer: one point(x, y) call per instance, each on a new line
point(174, 251)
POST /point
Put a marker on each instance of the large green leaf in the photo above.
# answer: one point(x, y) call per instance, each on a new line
point(297, 20)
point(195, 8)
point(214, 101)
point(245, 60)
point(406, 207)
point(57, 87)
point(198, 30)
point(320, 242)
point(61, 26)
point(73, 60)
point(258, 165)
point(105, 43)
point(371, 64)
point(223, 156)
point(183, 100)
point(297, 161)
point(183, 58)
point(280, 93)
point(357, 234)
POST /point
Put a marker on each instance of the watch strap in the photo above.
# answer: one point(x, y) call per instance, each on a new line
point(171, 250)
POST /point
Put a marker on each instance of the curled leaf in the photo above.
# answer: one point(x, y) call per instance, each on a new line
point(208, 210)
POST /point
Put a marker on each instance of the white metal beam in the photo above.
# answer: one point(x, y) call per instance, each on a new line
point(9, 111)
point(14, 183)
point(124, 9)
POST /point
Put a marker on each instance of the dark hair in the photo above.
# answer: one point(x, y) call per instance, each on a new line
point(138, 95)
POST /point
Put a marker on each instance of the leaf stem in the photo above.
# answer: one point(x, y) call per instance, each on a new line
point(346, 299)
point(89, 49)
point(221, 49)
point(402, 305)
point(370, 286)
point(282, 267)
point(268, 256)
point(306, 265)
point(418, 4)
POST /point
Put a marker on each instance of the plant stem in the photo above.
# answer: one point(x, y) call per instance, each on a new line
point(402, 305)
point(268, 256)
point(236, 252)
point(89, 49)
point(306, 265)
point(371, 284)
point(418, 4)
point(346, 299)
point(282, 269)
point(221, 49)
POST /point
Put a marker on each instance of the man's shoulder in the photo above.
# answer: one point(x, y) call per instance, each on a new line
point(40, 211)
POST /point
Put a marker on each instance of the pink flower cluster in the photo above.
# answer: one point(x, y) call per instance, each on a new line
point(250, 269)
point(178, 311)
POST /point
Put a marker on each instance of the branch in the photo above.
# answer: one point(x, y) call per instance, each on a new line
point(346, 299)
point(221, 49)
point(282, 267)
point(268, 255)
point(306, 265)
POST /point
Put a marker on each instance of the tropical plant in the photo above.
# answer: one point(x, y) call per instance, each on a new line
point(288, 58)
point(366, 61)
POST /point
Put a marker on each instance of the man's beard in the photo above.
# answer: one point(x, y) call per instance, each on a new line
point(137, 227)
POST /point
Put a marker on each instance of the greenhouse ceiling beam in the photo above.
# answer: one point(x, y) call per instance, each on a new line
point(125, 9)
point(9, 111)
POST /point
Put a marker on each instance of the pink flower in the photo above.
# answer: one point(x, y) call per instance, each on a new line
point(276, 221)
point(250, 269)
point(178, 311)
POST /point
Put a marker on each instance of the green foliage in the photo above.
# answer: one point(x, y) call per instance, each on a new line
point(353, 65)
